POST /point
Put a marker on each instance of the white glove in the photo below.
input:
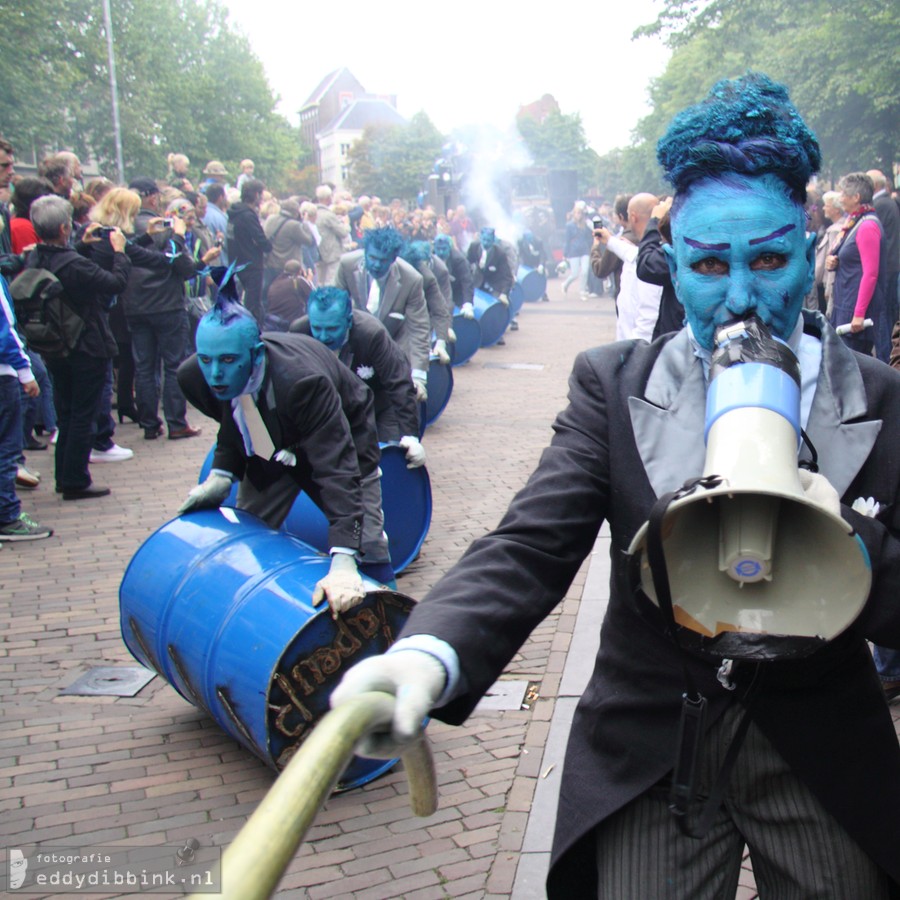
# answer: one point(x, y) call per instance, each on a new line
point(440, 351)
point(819, 490)
point(286, 458)
point(415, 678)
point(540, 269)
point(415, 452)
point(421, 389)
point(211, 494)
point(342, 586)
point(503, 299)
point(451, 335)
point(468, 311)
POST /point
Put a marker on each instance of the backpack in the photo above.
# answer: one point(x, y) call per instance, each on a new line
point(48, 324)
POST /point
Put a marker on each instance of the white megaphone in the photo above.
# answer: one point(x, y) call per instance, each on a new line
point(756, 570)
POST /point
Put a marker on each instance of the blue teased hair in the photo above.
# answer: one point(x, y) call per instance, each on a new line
point(387, 240)
point(416, 252)
point(326, 297)
point(747, 126)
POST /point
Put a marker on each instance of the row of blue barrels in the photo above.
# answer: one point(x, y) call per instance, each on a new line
point(492, 318)
point(405, 498)
point(220, 605)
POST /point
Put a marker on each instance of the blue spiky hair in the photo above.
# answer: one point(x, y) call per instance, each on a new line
point(747, 126)
point(415, 252)
point(386, 240)
point(228, 309)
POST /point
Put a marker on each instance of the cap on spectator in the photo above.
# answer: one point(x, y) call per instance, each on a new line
point(145, 186)
point(214, 167)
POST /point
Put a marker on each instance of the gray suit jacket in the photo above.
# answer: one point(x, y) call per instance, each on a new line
point(402, 309)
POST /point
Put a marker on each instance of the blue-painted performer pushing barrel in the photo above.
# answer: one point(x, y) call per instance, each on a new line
point(291, 418)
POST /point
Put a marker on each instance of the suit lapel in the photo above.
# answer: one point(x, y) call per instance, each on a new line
point(268, 410)
point(390, 293)
point(669, 421)
point(843, 445)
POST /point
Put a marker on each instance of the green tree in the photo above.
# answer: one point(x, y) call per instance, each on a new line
point(187, 83)
point(838, 59)
point(393, 161)
point(559, 142)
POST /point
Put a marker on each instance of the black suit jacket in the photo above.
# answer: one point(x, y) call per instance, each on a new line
point(460, 278)
point(632, 430)
point(495, 276)
point(373, 356)
point(314, 407)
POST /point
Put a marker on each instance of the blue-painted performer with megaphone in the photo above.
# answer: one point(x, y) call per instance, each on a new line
point(733, 699)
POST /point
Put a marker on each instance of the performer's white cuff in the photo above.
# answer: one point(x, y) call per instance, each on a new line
point(443, 653)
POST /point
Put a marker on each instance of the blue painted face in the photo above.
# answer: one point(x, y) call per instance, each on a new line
point(378, 262)
point(442, 247)
point(739, 248)
point(488, 238)
point(227, 356)
point(331, 325)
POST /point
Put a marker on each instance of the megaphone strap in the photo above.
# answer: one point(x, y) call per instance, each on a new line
point(692, 726)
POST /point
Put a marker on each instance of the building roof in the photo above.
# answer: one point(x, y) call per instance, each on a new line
point(322, 87)
point(360, 113)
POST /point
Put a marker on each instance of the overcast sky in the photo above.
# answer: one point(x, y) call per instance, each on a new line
point(465, 62)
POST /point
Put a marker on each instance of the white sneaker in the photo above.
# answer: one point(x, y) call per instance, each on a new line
point(26, 479)
point(54, 436)
point(114, 454)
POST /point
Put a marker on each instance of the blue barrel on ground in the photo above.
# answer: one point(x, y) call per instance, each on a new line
point(516, 300)
point(405, 499)
point(440, 388)
point(492, 315)
point(220, 605)
point(532, 283)
point(468, 339)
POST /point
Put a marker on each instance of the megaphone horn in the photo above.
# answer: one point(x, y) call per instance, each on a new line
point(756, 570)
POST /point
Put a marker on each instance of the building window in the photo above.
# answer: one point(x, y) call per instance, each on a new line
point(345, 149)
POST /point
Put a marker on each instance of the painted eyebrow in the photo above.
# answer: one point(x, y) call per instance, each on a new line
point(699, 245)
point(775, 234)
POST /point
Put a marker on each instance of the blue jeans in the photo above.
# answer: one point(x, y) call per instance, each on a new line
point(159, 339)
point(887, 662)
point(10, 446)
point(78, 382)
point(40, 408)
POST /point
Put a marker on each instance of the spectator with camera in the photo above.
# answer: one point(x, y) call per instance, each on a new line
point(80, 375)
point(154, 306)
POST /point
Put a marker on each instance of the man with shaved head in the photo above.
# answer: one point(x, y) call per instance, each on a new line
point(638, 301)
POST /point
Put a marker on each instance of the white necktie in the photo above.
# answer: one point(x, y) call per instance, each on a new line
point(374, 297)
point(259, 434)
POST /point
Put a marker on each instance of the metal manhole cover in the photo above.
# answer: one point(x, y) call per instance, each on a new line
point(503, 695)
point(111, 681)
point(530, 367)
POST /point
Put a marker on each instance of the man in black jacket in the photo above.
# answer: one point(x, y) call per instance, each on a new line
point(363, 344)
point(461, 285)
point(155, 309)
point(79, 377)
point(248, 245)
point(653, 268)
point(291, 418)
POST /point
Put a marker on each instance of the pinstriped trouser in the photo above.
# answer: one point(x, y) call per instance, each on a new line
point(797, 848)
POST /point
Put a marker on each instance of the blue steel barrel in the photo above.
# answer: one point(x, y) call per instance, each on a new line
point(220, 606)
point(532, 283)
point(405, 499)
point(492, 315)
point(468, 339)
point(440, 387)
point(516, 300)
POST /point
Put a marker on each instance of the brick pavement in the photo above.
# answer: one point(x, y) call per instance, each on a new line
point(154, 771)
